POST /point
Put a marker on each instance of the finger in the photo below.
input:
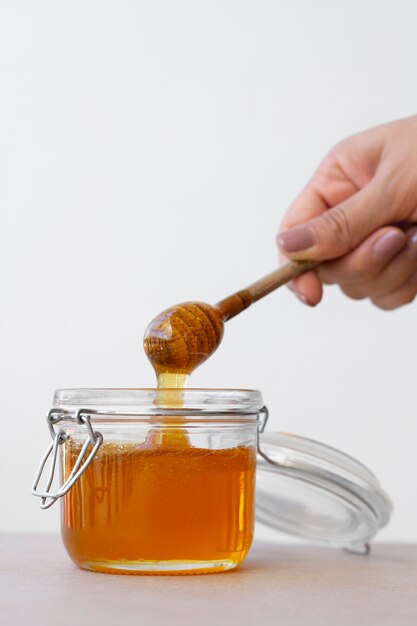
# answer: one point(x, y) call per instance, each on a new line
point(401, 272)
point(338, 230)
point(353, 291)
point(396, 273)
point(367, 261)
point(307, 288)
point(399, 297)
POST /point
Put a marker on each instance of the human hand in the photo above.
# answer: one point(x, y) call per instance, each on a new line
point(358, 216)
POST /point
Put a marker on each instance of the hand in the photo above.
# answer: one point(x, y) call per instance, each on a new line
point(358, 215)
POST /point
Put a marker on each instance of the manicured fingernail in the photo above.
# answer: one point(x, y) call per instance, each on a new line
point(412, 244)
point(296, 239)
point(300, 296)
point(389, 244)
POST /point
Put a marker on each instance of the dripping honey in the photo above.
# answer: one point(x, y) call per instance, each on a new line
point(164, 499)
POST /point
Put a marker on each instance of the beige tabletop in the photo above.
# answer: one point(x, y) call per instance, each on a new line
point(286, 585)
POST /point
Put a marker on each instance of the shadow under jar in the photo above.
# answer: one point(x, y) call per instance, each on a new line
point(171, 488)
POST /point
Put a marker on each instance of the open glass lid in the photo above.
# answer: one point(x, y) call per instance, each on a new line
point(316, 492)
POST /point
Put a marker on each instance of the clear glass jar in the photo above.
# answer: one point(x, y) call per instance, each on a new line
point(170, 486)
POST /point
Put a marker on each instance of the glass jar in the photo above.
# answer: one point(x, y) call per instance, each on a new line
point(163, 481)
point(156, 481)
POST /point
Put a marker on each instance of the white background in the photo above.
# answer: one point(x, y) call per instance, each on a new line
point(148, 153)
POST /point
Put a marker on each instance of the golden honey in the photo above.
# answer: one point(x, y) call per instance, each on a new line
point(137, 508)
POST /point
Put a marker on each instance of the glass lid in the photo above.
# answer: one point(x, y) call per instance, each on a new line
point(316, 492)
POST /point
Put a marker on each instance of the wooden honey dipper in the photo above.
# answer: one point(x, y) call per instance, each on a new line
point(182, 337)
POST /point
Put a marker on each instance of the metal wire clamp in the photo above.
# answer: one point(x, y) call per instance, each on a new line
point(265, 414)
point(95, 439)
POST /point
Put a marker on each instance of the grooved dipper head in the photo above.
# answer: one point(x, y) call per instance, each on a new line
point(181, 338)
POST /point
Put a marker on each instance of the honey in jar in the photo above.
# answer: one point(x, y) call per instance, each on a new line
point(171, 489)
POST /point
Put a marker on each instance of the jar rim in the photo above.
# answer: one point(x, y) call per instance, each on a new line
point(151, 401)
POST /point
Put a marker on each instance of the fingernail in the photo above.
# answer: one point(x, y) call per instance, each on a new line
point(295, 239)
point(412, 244)
point(301, 297)
point(389, 244)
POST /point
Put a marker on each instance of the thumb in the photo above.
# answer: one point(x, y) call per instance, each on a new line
point(338, 230)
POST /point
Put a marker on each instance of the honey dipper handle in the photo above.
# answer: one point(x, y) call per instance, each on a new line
point(241, 300)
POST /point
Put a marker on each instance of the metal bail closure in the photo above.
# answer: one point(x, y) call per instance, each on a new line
point(265, 415)
point(95, 439)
